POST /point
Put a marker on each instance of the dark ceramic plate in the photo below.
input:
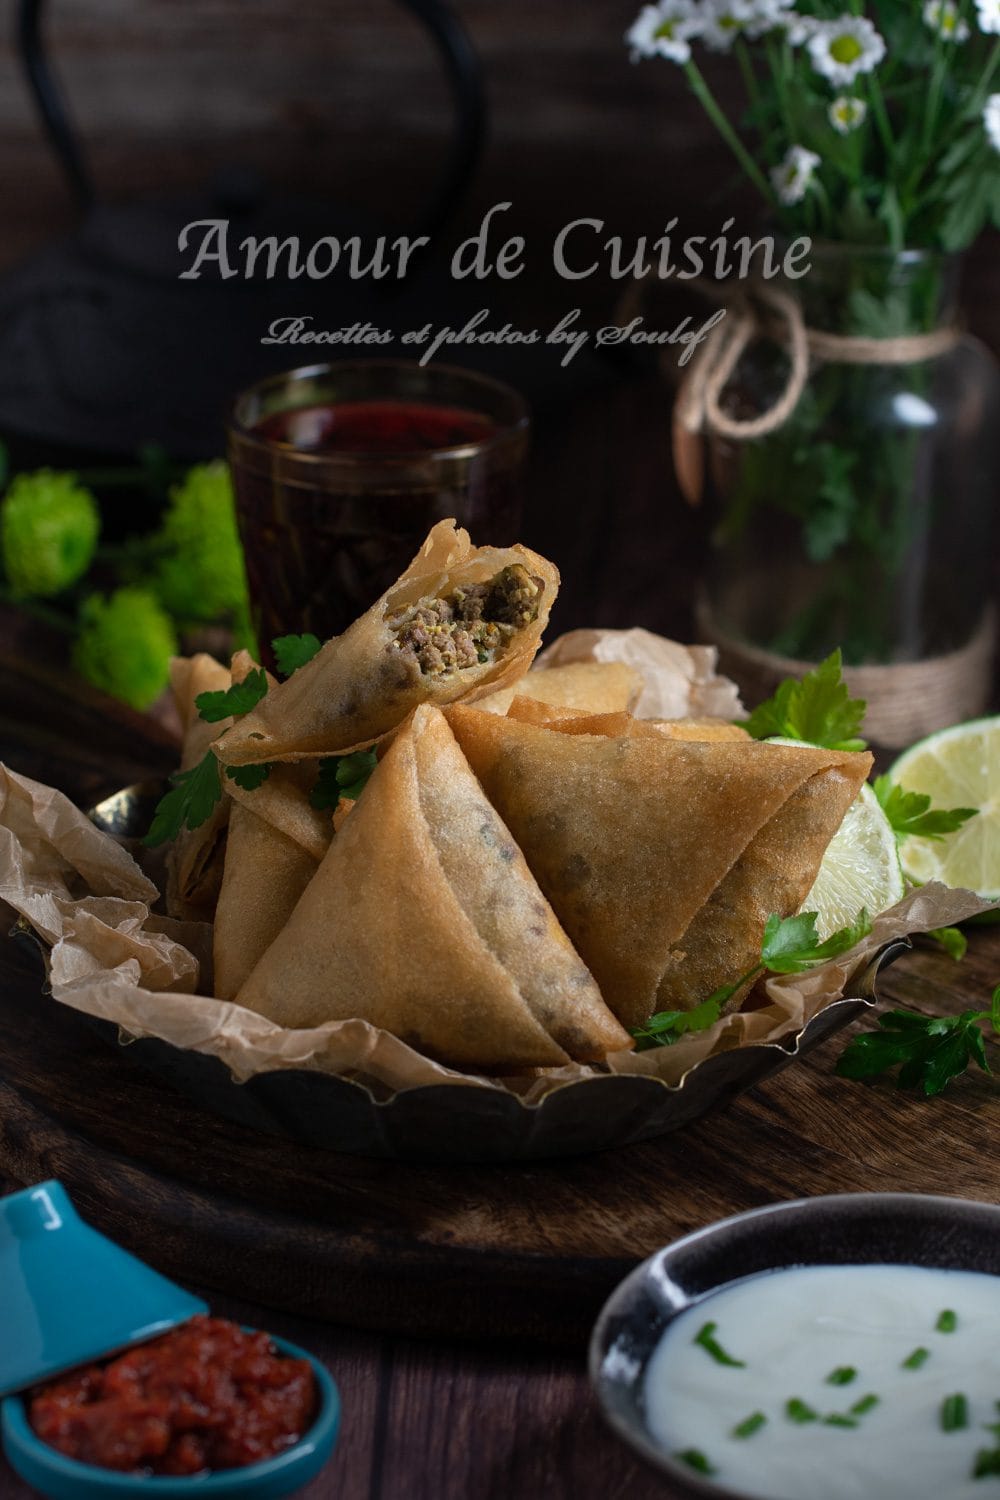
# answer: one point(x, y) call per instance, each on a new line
point(449, 1123)
point(906, 1229)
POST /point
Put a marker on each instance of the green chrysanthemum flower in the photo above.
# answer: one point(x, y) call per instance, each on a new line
point(201, 574)
point(48, 532)
point(125, 645)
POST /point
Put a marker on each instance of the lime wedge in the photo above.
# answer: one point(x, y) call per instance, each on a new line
point(860, 868)
point(958, 767)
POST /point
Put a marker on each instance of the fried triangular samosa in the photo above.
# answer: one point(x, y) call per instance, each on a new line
point(661, 857)
point(424, 919)
point(462, 621)
point(275, 843)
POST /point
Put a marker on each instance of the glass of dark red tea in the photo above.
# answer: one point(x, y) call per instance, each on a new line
point(341, 470)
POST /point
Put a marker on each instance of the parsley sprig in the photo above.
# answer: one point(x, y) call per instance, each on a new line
point(816, 709)
point(928, 1050)
point(188, 804)
point(235, 700)
point(342, 776)
point(194, 793)
point(790, 945)
point(911, 812)
point(294, 651)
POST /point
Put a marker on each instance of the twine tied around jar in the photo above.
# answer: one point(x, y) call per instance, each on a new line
point(766, 312)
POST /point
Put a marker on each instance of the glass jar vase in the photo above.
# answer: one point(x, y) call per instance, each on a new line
point(865, 519)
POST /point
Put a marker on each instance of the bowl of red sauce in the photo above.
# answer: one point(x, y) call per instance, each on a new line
point(207, 1409)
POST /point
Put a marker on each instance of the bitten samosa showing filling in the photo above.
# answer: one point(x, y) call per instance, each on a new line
point(461, 622)
point(470, 625)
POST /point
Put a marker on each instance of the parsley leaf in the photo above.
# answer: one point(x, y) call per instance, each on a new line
point(953, 941)
point(668, 1026)
point(790, 945)
point(911, 812)
point(249, 777)
point(816, 709)
point(238, 699)
point(188, 804)
point(293, 651)
point(928, 1050)
point(342, 776)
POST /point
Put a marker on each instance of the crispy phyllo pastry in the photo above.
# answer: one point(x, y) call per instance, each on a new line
point(595, 687)
point(461, 622)
point(572, 721)
point(424, 919)
point(195, 858)
point(661, 857)
point(265, 874)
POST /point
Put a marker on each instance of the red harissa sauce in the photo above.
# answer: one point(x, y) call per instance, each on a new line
point(207, 1395)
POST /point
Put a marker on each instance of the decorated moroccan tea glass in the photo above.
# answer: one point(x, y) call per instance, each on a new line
point(340, 471)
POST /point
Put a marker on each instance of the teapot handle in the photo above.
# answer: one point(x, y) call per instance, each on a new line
point(461, 63)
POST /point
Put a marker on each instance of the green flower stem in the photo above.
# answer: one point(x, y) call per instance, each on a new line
point(749, 76)
point(881, 118)
point(933, 105)
point(779, 77)
point(707, 100)
point(979, 96)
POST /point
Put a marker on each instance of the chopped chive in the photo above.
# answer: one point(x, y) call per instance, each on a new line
point(947, 1321)
point(842, 1375)
point(987, 1462)
point(711, 1346)
point(838, 1419)
point(916, 1359)
point(866, 1404)
point(954, 1413)
point(749, 1425)
point(798, 1411)
point(695, 1459)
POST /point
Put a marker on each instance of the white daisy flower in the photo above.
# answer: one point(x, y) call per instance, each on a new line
point(664, 30)
point(942, 16)
point(847, 114)
point(792, 178)
point(798, 29)
point(725, 20)
point(841, 50)
point(988, 15)
point(769, 15)
point(991, 120)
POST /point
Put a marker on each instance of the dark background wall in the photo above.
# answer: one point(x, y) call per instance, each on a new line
point(344, 100)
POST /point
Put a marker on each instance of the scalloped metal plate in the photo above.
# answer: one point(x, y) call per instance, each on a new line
point(448, 1123)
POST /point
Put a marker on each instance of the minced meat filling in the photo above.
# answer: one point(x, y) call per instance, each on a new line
point(468, 627)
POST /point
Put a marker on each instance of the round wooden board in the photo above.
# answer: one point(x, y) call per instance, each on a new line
point(526, 1252)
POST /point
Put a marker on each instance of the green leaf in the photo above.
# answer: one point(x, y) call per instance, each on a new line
point(238, 699)
point(342, 776)
point(911, 812)
point(954, 942)
point(249, 777)
point(668, 1026)
point(816, 710)
point(791, 945)
point(929, 1050)
point(188, 804)
point(293, 651)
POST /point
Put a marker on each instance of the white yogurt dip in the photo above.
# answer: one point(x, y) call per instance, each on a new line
point(792, 1330)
